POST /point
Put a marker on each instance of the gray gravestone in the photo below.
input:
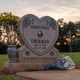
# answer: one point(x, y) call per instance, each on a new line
point(39, 36)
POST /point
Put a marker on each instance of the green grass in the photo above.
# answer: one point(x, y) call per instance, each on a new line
point(3, 59)
point(10, 78)
point(75, 56)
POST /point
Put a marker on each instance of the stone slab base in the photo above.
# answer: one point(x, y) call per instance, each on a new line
point(20, 67)
point(14, 67)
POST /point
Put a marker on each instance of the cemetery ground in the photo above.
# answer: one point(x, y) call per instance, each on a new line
point(5, 76)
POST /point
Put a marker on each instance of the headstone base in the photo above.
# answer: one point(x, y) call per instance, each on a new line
point(20, 67)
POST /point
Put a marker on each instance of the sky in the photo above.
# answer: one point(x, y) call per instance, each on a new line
point(67, 9)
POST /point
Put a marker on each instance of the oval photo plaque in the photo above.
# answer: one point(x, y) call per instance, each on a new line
point(38, 34)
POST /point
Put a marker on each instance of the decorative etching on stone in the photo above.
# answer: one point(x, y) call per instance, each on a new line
point(51, 53)
point(27, 53)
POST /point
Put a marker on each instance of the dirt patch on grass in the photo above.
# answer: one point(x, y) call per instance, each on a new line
point(4, 72)
point(77, 66)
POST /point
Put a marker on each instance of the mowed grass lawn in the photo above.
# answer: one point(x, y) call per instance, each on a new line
point(9, 77)
point(3, 59)
point(75, 57)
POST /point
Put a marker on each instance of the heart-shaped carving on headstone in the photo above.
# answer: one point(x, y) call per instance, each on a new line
point(38, 34)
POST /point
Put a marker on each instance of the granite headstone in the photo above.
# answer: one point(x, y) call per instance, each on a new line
point(38, 36)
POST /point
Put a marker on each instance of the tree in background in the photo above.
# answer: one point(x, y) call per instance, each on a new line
point(76, 38)
point(61, 43)
point(68, 33)
point(8, 23)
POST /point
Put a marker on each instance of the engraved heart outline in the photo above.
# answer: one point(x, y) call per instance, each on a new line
point(39, 19)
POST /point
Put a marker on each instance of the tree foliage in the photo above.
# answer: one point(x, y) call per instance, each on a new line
point(8, 23)
point(8, 19)
point(69, 36)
